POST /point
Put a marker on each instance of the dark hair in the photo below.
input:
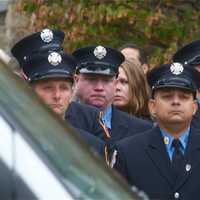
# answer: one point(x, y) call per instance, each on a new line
point(142, 55)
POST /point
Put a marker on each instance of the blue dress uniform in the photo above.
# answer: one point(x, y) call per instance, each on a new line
point(144, 159)
point(102, 60)
point(41, 56)
point(190, 54)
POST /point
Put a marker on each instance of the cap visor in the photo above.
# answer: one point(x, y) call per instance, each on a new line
point(107, 71)
point(175, 86)
point(49, 76)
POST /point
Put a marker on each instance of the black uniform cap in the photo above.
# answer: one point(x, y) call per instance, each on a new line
point(98, 60)
point(37, 43)
point(174, 75)
point(51, 64)
point(189, 54)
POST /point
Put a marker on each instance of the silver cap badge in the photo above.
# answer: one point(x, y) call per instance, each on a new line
point(46, 35)
point(100, 52)
point(54, 58)
point(176, 68)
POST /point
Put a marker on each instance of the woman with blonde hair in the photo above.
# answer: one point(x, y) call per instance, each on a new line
point(132, 90)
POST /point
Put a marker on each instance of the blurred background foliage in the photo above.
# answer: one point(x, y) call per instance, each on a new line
point(158, 26)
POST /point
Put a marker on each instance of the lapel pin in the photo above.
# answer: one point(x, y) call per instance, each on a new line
point(166, 140)
point(187, 167)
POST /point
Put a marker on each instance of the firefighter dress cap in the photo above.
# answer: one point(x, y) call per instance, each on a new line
point(98, 60)
point(37, 43)
point(50, 65)
point(189, 54)
point(174, 75)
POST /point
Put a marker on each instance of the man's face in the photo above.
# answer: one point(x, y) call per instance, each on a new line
point(122, 89)
point(131, 53)
point(96, 90)
point(56, 93)
point(172, 106)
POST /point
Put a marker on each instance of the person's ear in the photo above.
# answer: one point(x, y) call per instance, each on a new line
point(152, 107)
point(195, 107)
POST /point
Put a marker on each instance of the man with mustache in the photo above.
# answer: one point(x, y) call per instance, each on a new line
point(165, 161)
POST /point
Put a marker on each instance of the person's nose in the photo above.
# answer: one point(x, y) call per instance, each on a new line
point(118, 86)
point(176, 100)
point(99, 85)
point(57, 93)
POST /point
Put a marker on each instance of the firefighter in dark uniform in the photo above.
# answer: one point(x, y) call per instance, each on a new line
point(190, 54)
point(95, 78)
point(49, 71)
point(165, 161)
point(95, 83)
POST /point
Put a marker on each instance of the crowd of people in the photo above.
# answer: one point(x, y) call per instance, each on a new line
point(143, 123)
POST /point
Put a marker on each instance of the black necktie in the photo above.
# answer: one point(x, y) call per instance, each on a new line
point(177, 157)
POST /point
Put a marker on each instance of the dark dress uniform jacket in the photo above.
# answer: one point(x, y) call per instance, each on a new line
point(196, 118)
point(144, 162)
point(84, 117)
point(97, 144)
point(125, 125)
point(85, 120)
